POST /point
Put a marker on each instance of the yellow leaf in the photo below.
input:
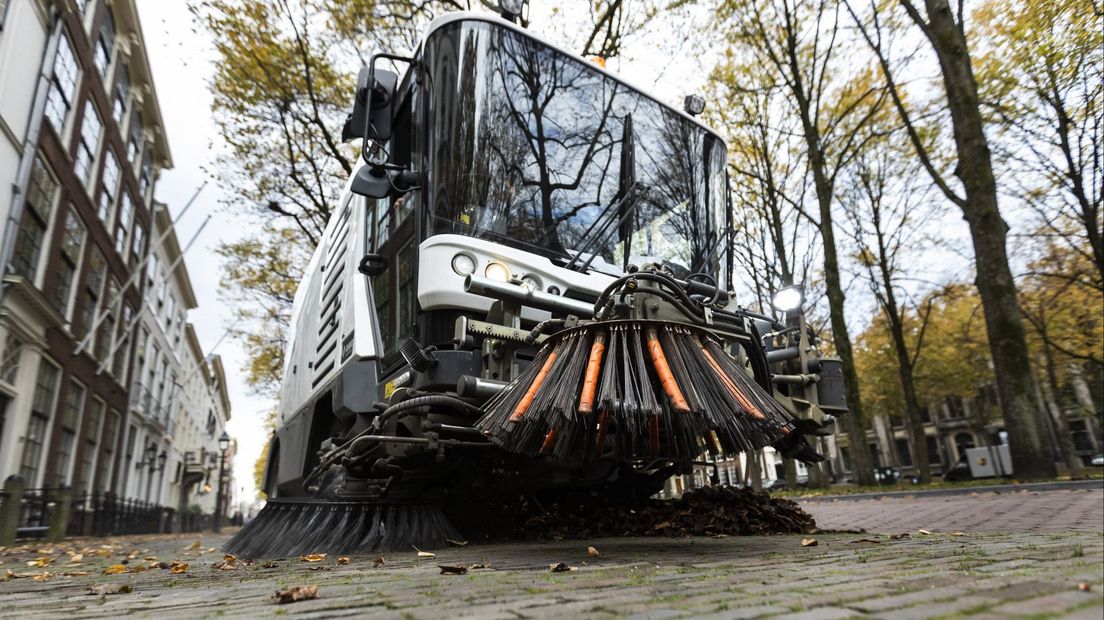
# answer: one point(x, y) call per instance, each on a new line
point(314, 557)
point(343, 560)
point(116, 569)
point(179, 567)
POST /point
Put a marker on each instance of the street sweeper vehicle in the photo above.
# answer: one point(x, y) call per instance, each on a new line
point(524, 292)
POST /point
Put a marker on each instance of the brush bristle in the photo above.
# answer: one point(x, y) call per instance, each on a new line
point(665, 391)
point(291, 527)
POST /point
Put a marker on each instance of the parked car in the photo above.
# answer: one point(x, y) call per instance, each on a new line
point(1098, 460)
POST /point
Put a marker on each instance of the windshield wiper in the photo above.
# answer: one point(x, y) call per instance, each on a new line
point(626, 205)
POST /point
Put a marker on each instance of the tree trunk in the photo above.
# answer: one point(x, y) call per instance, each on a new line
point(1065, 440)
point(1031, 452)
point(917, 437)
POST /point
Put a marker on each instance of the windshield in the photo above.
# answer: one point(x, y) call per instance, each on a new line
point(530, 147)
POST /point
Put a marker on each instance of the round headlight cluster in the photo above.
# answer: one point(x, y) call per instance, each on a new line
point(497, 272)
point(463, 264)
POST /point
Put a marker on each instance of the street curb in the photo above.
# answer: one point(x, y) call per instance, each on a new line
point(996, 488)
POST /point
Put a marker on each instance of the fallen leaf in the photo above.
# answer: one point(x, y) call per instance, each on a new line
point(1084, 587)
point(196, 545)
point(720, 536)
point(76, 558)
point(343, 560)
point(314, 557)
point(663, 526)
point(116, 569)
point(179, 567)
point(425, 554)
point(456, 543)
point(379, 561)
point(808, 542)
point(318, 568)
point(477, 566)
point(77, 573)
point(111, 588)
point(452, 569)
point(925, 532)
point(43, 576)
point(296, 593)
point(39, 562)
point(867, 540)
point(958, 533)
point(150, 558)
point(560, 568)
point(901, 536)
point(593, 553)
point(270, 564)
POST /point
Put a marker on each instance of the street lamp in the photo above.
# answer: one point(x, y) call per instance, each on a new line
point(223, 444)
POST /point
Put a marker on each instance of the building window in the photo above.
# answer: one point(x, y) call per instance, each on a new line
point(59, 100)
point(71, 243)
point(963, 442)
point(111, 426)
point(121, 95)
point(41, 405)
point(93, 286)
point(934, 457)
point(70, 418)
point(109, 185)
point(107, 324)
point(118, 367)
point(145, 179)
point(904, 455)
point(105, 43)
point(91, 130)
point(136, 244)
point(41, 192)
point(91, 443)
point(126, 214)
point(134, 142)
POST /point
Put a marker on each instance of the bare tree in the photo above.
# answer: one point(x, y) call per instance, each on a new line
point(944, 30)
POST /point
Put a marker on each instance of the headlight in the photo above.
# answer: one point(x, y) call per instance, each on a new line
point(531, 283)
point(463, 264)
point(497, 271)
point(788, 299)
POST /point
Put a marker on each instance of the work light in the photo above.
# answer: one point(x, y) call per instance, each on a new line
point(788, 299)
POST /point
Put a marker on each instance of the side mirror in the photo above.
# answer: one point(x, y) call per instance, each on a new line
point(372, 106)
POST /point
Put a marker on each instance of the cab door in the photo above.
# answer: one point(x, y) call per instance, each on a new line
point(395, 238)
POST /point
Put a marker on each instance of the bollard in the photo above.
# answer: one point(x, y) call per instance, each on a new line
point(59, 517)
point(11, 509)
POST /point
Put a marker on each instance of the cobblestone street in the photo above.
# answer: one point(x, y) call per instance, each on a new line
point(1015, 511)
point(1051, 574)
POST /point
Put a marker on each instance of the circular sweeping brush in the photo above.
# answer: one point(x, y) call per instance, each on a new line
point(633, 390)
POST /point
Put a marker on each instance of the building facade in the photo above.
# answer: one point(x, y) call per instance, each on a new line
point(97, 365)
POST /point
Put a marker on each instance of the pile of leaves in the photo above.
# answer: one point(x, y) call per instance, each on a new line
point(709, 511)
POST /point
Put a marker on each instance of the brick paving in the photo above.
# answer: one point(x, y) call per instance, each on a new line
point(975, 574)
point(1017, 511)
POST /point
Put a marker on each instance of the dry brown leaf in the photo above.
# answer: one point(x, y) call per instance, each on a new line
point(901, 536)
point(270, 564)
point(958, 533)
point(43, 576)
point(296, 593)
point(314, 557)
point(477, 566)
point(39, 562)
point(318, 568)
point(150, 558)
point(425, 554)
point(116, 569)
point(663, 526)
point(453, 569)
point(379, 561)
point(809, 542)
point(560, 568)
point(593, 553)
point(76, 558)
point(179, 567)
point(867, 540)
point(925, 532)
point(111, 588)
point(456, 543)
point(343, 560)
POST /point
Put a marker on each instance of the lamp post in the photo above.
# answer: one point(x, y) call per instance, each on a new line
point(223, 444)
